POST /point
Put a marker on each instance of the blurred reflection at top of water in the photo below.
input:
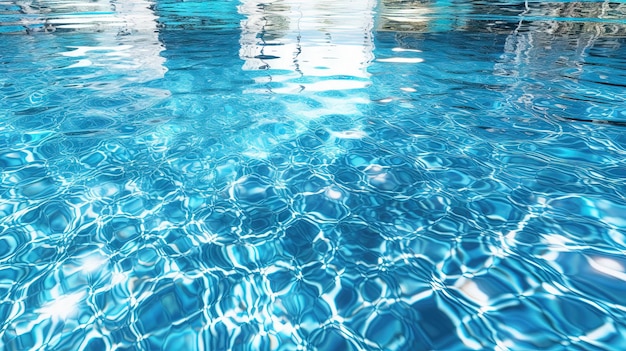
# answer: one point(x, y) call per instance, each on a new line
point(313, 39)
point(419, 16)
point(557, 59)
point(317, 50)
point(120, 37)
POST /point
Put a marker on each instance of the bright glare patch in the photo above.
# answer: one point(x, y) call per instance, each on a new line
point(81, 63)
point(350, 134)
point(92, 263)
point(609, 267)
point(551, 289)
point(83, 50)
point(374, 168)
point(473, 291)
point(405, 50)
point(333, 194)
point(63, 307)
point(603, 331)
point(381, 178)
point(558, 242)
point(119, 278)
point(257, 154)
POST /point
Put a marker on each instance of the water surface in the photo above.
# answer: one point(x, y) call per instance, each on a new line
point(329, 175)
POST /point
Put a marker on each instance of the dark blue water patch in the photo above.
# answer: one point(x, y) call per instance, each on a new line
point(591, 274)
point(174, 302)
point(517, 318)
point(332, 338)
point(301, 233)
point(360, 235)
point(435, 325)
point(194, 15)
point(206, 50)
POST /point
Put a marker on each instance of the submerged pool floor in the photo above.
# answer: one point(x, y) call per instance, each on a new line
point(327, 175)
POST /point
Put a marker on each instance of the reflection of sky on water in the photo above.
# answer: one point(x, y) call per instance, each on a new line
point(127, 39)
point(318, 49)
point(320, 38)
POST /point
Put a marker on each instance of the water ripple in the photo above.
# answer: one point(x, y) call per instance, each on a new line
point(395, 177)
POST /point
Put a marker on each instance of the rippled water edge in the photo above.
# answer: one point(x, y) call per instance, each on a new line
point(451, 198)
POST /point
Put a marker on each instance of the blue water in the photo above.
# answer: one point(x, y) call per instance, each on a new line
point(321, 175)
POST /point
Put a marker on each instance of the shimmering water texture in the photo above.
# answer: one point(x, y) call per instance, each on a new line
point(312, 175)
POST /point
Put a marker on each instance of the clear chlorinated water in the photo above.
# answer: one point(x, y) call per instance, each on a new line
point(321, 175)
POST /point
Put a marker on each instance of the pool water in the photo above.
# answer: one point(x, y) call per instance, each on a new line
point(312, 175)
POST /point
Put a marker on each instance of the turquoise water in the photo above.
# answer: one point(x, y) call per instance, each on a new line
point(321, 175)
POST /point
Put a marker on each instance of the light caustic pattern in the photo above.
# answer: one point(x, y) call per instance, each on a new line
point(429, 182)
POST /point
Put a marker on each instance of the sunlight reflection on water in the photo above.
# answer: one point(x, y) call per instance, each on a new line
point(349, 175)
